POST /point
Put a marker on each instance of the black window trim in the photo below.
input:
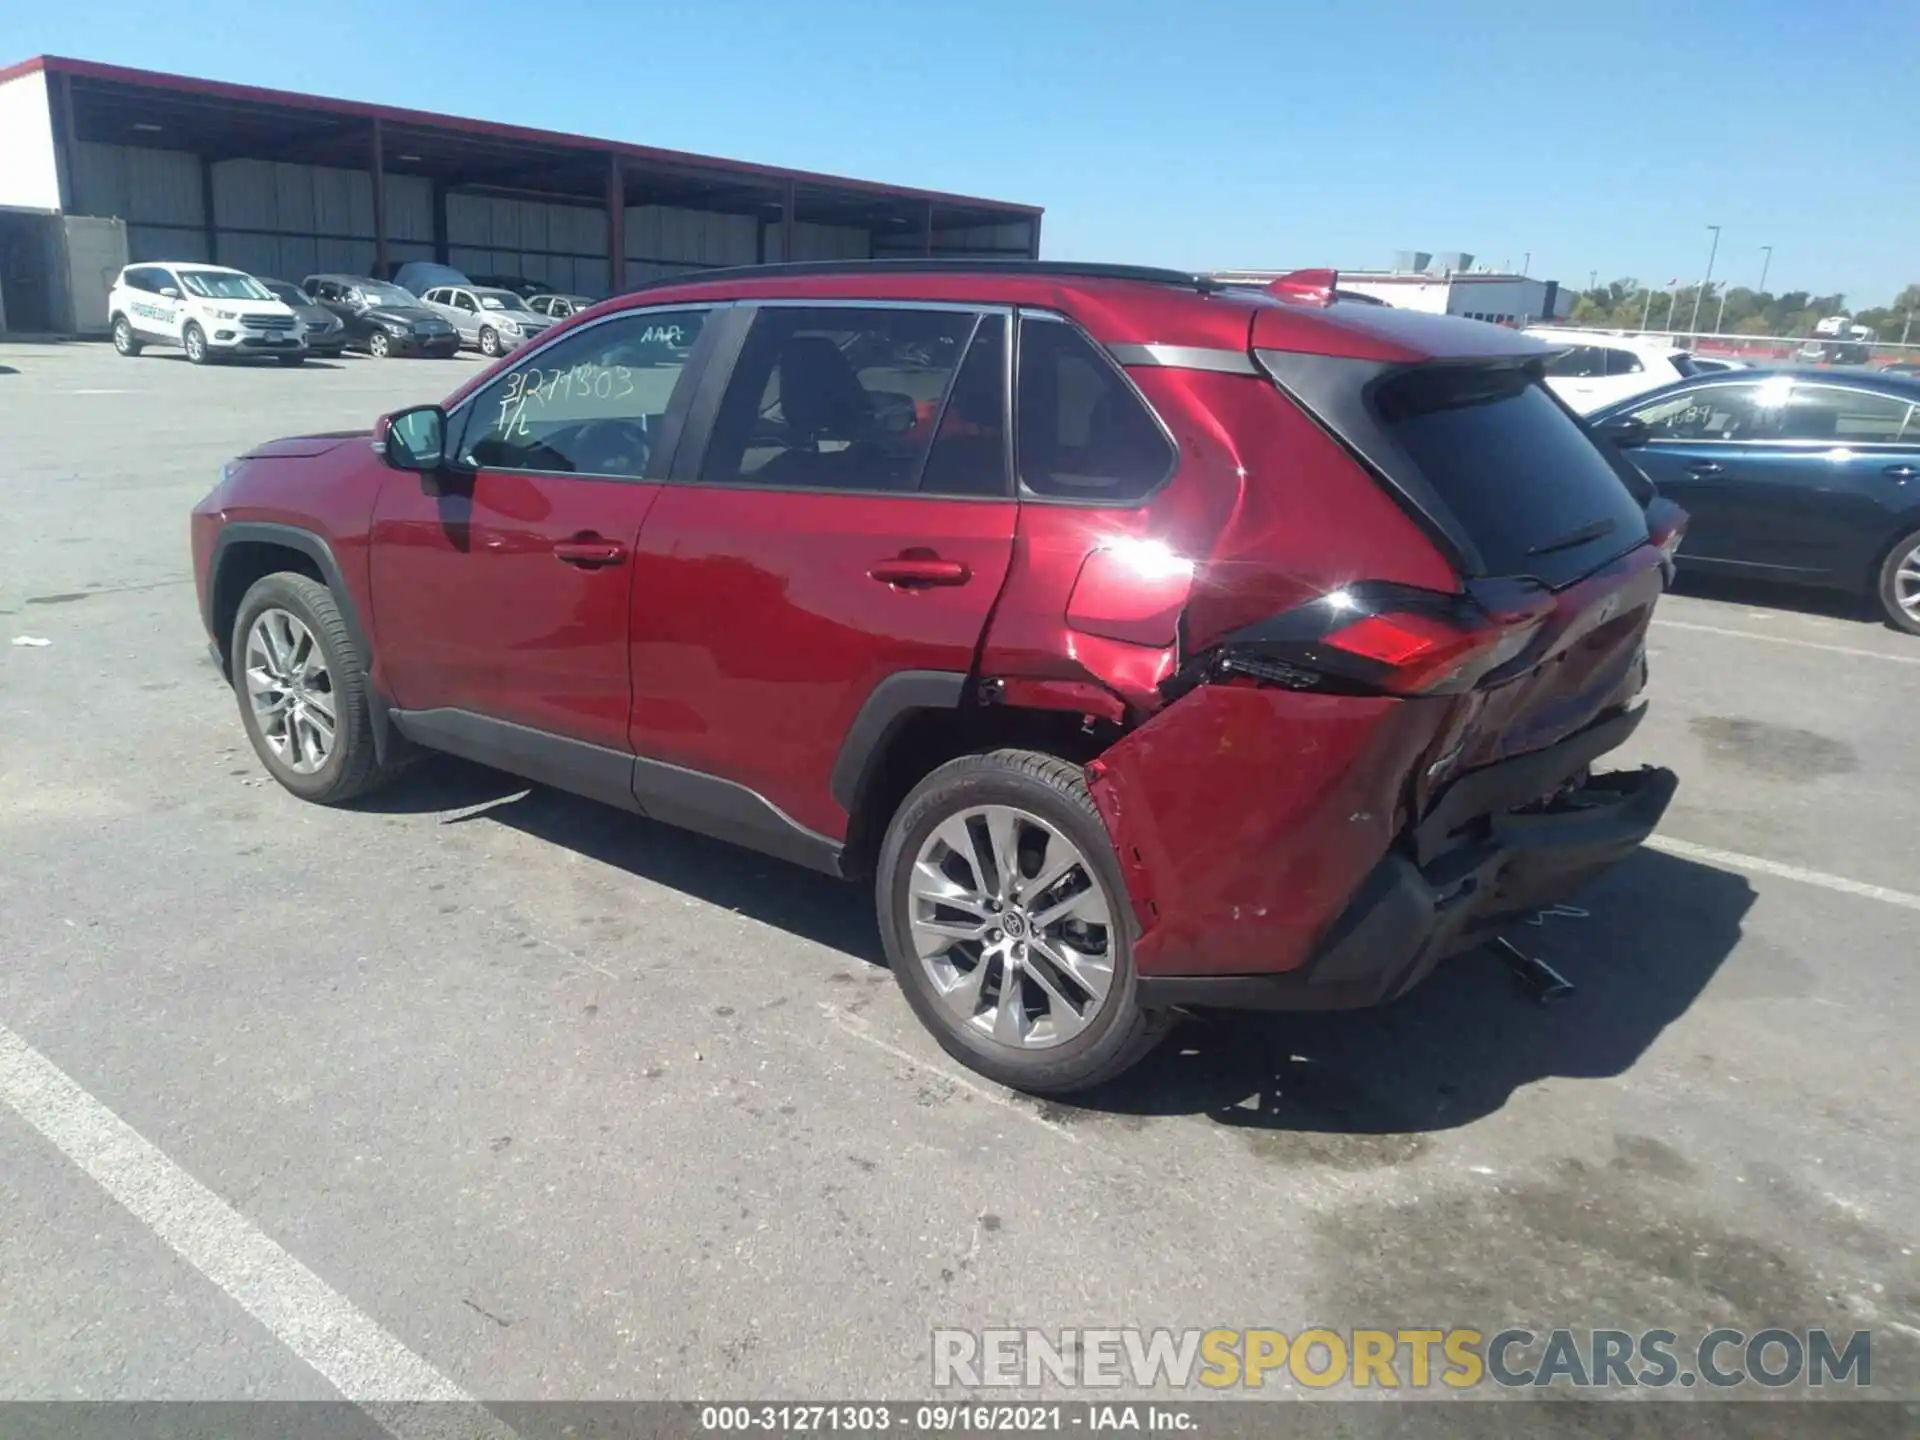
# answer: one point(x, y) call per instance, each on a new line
point(1027, 495)
point(673, 425)
point(705, 409)
point(1728, 379)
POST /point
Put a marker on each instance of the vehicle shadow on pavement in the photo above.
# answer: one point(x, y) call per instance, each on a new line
point(802, 902)
point(1657, 929)
point(1337, 1086)
point(1762, 595)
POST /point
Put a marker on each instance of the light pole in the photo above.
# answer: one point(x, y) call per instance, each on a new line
point(1720, 319)
point(1700, 294)
point(1646, 311)
point(1526, 263)
point(1593, 279)
point(1765, 265)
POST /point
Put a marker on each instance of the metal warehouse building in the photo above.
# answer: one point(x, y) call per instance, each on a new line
point(283, 184)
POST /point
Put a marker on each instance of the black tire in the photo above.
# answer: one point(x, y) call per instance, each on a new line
point(489, 342)
point(194, 340)
point(124, 340)
point(378, 345)
point(1905, 552)
point(1055, 790)
point(293, 359)
point(352, 769)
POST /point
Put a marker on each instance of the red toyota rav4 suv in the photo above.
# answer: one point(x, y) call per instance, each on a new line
point(1148, 643)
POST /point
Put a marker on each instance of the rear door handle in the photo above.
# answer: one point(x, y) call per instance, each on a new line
point(1902, 472)
point(916, 571)
point(1704, 468)
point(589, 551)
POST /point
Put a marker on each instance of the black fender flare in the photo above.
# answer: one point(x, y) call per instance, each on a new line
point(889, 705)
point(316, 549)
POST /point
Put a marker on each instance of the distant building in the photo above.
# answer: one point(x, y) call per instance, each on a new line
point(1515, 300)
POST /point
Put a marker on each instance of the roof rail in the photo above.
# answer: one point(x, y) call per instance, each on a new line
point(935, 265)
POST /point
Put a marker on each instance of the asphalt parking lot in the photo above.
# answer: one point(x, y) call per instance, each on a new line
point(566, 1105)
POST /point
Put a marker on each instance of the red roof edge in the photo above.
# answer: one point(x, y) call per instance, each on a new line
point(186, 84)
point(25, 67)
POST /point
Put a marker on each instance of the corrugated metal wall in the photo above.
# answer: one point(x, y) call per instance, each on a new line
point(564, 246)
point(291, 220)
point(157, 192)
point(820, 242)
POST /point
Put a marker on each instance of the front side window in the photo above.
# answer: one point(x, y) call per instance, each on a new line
point(593, 404)
point(1714, 412)
point(1080, 431)
point(463, 301)
point(837, 397)
point(1625, 362)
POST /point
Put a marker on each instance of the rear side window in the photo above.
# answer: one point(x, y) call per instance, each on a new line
point(1528, 487)
point(838, 398)
point(1080, 432)
point(1582, 362)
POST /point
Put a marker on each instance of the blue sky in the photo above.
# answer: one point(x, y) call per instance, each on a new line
point(1213, 133)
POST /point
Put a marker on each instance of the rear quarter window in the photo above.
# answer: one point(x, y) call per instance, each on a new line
point(1529, 488)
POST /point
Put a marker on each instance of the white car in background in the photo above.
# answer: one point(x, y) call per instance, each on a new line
point(1595, 370)
point(491, 321)
point(209, 311)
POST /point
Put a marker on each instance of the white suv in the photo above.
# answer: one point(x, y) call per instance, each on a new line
point(207, 310)
point(1597, 370)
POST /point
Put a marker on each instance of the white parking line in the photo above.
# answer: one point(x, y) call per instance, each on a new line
point(1787, 640)
point(317, 1323)
point(1734, 860)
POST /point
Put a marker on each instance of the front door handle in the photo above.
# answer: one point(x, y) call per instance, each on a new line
point(1704, 468)
point(916, 571)
point(1902, 472)
point(589, 551)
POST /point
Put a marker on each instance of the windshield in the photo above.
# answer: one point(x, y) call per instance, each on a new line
point(223, 285)
point(500, 300)
point(378, 292)
point(286, 293)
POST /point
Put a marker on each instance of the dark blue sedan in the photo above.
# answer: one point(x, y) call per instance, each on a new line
point(1807, 477)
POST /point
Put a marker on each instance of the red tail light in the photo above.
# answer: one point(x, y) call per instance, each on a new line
point(1378, 638)
point(1424, 653)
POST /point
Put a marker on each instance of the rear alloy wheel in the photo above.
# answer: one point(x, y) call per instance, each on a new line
point(378, 345)
point(1006, 923)
point(123, 337)
point(1900, 584)
point(489, 342)
point(195, 340)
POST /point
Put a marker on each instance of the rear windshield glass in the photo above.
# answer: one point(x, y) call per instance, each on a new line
point(1531, 491)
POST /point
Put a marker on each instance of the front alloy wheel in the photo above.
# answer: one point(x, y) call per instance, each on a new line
point(196, 345)
point(291, 691)
point(489, 342)
point(379, 346)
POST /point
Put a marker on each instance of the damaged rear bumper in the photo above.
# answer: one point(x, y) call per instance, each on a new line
point(1490, 852)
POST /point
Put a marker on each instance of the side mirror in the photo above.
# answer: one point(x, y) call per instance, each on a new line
point(415, 439)
point(169, 292)
point(1625, 432)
